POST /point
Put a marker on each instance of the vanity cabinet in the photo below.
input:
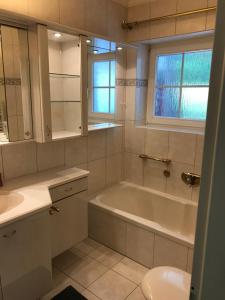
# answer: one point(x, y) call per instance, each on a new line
point(68, 215)
point(25, 260)
point(59, 85)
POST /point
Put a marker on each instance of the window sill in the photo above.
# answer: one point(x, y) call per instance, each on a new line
point(183, 129)
point(101, 126)
point(64, 135)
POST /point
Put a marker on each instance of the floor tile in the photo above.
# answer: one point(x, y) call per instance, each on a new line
point(88, 246)
point(78, 252)
point(67, 282)
point(131, 270)
point(65, 260)
point(112, 286)
point(106, 256)
point(89, 295)
point(86, 271)
point(136, 295)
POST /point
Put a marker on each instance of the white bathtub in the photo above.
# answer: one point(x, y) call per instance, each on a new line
point(116, 211)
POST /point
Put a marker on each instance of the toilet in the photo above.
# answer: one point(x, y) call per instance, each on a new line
point(166, 283)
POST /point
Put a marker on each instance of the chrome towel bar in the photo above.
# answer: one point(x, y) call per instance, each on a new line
point(163, 160)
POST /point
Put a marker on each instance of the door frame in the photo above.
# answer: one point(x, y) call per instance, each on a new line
point(208, 278)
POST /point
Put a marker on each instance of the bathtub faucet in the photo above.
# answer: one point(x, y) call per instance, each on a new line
point(190, 179)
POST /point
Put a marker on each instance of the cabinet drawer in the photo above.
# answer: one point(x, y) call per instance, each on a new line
point(68, 189)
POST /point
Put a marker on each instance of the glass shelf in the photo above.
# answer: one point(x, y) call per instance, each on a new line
point(64, 101)
point(58, 75)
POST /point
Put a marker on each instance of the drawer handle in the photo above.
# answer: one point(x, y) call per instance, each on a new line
point(9, 235)
point(54, 209)
point(67, 190)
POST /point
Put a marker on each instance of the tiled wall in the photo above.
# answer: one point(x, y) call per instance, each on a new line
point(97, 16)
point(100, 152)
point(184, 149)
point(176, 26)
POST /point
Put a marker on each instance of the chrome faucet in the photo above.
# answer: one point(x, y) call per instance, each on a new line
point(191, 179)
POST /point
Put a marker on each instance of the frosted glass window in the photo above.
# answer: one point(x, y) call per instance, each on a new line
point(101, 103)
point(101, 73)
point(104, 82)
point(182, 85)
point(167, 102)
point(169, 69)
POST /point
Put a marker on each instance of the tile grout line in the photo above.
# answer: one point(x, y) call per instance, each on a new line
point(108, 269)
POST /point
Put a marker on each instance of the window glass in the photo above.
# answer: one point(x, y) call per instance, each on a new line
point(104, 82)
point(169, 69)
point(101, 100)
point(101, 73)
point(182, 85)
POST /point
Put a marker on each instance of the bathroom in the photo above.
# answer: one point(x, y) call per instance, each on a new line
point(105, 143)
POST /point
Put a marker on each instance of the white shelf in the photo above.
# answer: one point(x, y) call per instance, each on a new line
point(64, 134)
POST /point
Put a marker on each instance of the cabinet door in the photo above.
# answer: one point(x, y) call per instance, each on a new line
point(69, 225)
point(40, 87)
point(25, 261)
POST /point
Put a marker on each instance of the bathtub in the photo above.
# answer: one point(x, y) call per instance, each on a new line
point(148, 226)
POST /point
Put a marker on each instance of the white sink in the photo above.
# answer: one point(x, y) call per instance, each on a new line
point(9, 201)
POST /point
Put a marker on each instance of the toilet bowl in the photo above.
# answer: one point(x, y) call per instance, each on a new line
point(166, 283)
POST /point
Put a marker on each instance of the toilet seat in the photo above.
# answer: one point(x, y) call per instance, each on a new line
point(166, 283)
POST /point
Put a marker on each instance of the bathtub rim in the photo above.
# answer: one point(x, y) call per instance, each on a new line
point(143, 223)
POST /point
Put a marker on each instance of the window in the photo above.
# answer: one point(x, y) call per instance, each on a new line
point(182, 85)
point(104, 81)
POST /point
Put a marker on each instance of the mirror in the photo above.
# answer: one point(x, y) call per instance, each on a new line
point(15, 102)
point(106, 71)
point(64, 76)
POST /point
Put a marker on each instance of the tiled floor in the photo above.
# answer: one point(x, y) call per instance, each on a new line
point(97, 272)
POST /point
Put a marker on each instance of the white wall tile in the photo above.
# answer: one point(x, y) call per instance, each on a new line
point(72, 13)
point(134, 138)
point(182, 147)
point(140, 245)
point(190, 260)
point(107, 229)
point(19, 159)
point(189, 24)
point(96, 145)
point(186, 5)
point(153, 175)
point(175, 186)
point(76, 151)
point(168, 253)
point(133, 168)
point(141, 103)
point(50, 155)
point(114, 166)
point(199, 153)
point(131, 71)
point(97, 177)
point(130, 102)
point(115, 140)
point(157, 143)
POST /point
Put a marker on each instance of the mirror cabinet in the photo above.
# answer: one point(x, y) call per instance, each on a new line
point(55, 85)
point(15, 100)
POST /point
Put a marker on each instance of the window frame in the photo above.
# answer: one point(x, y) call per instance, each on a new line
point(93, 59)
point(168, 49)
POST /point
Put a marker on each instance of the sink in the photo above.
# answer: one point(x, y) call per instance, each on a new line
point(9, 200)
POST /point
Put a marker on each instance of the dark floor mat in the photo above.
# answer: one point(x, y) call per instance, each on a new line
point(69, 294)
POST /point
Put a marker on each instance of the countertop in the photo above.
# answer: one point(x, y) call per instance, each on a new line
point(34, 190)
